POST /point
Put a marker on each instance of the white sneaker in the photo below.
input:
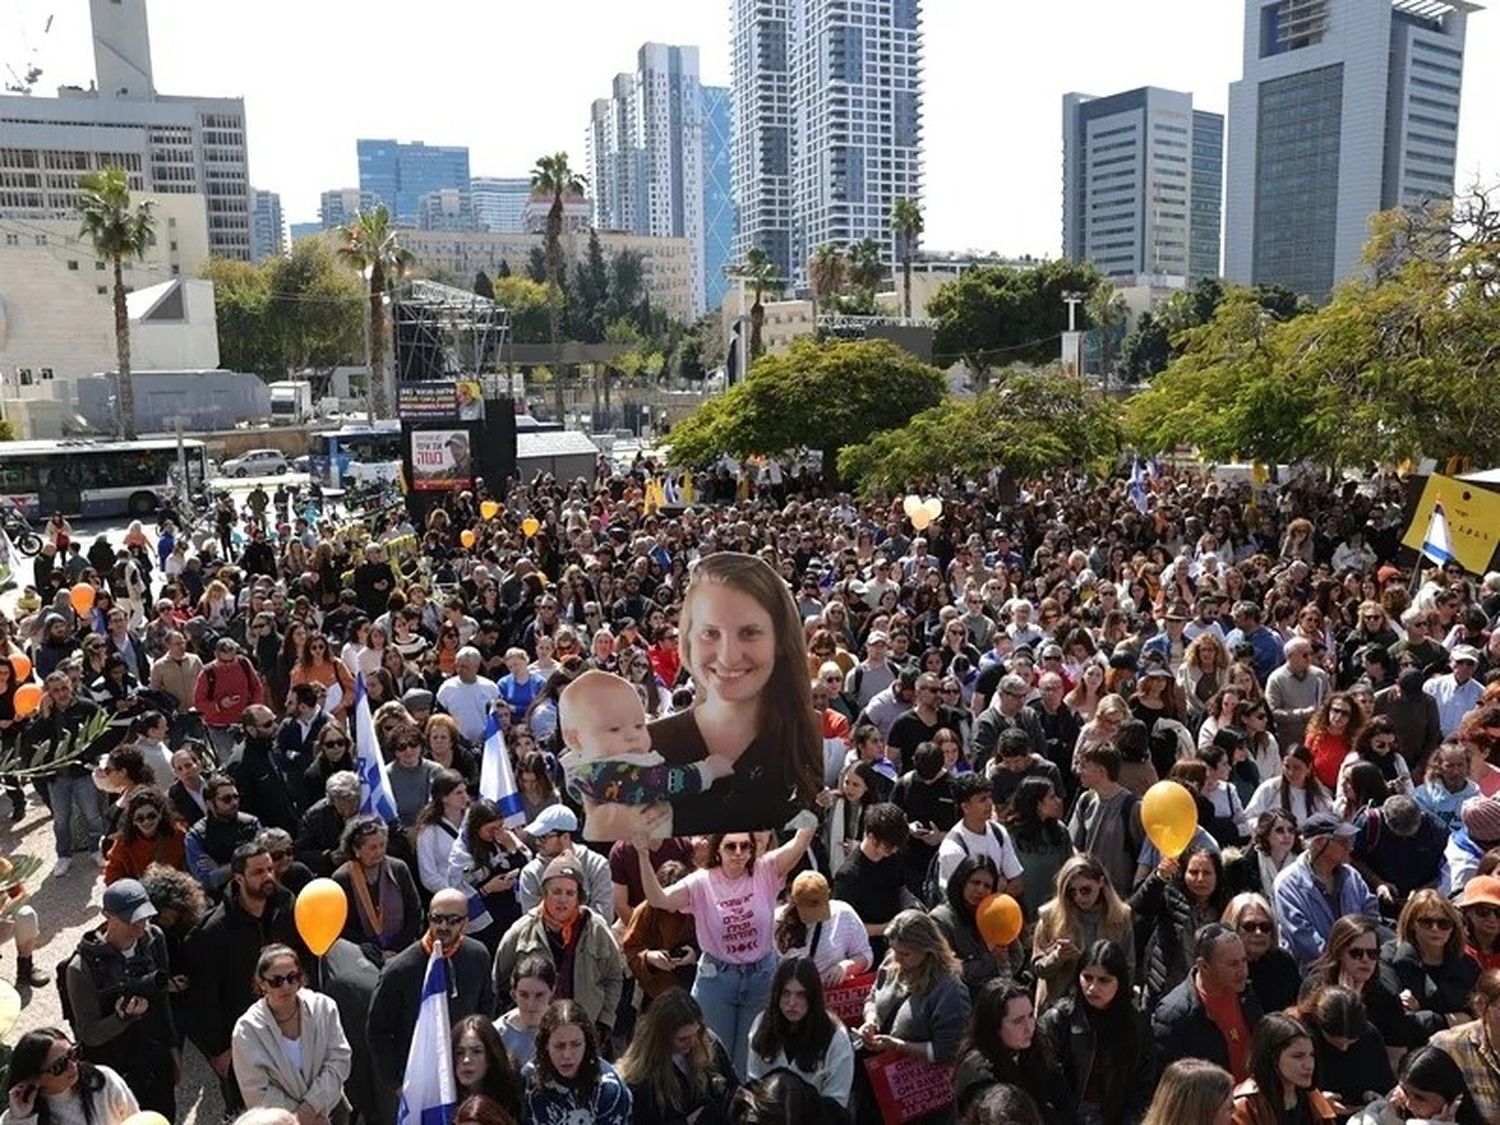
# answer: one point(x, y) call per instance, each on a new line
point(64, 865)
point(99, 860)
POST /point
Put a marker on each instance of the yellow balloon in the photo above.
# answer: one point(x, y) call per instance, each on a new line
point(921, 520)
point(466, 537)
point(10, 1006)
point(911, 506)
point(145, 1117)
point(934, 508)
point(489, 509)
point(1170, 816)
point(320, 913)
point(531, 525)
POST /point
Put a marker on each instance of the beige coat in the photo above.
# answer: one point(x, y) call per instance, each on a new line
point(598, 966)
point(268, 1078)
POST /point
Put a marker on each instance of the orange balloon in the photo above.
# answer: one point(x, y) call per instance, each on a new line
point(27, 698)
point(320, 913)
point(999, 919)
point(82, 597)
point(466, 537)
point(20, 666)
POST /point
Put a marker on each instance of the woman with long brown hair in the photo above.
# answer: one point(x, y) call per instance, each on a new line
point(1331, 734)
point(677, 1070)
point(1084, 909)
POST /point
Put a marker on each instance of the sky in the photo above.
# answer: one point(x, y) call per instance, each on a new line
point(513, 80)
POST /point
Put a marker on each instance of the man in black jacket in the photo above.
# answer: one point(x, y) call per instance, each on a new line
point(211, 842)
point(297, 741)
point(398, 996)
point(264, 781)
point(224, 949)
point(1213, 1012)
point(116, 989)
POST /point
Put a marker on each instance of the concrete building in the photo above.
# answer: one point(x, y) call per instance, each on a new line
point(856, 105)
point(399, 173)
point(719, 219)
point(1142, 184)
point(761, 153)
point(337, 206)
point(446, 209)
point(268, 230)
point(578, 213)
point(166, 144)
point(645, 149)
point(499, 201)
point(668, 263)
point(1346, 107)
point(300, 231)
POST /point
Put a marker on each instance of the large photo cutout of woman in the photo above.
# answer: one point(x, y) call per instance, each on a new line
point(746, 756)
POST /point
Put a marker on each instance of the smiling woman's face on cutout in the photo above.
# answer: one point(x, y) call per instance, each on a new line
point(733, 647)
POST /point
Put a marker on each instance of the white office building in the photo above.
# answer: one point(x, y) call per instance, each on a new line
point(445, 209)
point(856, 141)
point(338, 206)
point(761, 151)
point(645, 149)
point(267, 230)
point(166, 144)
point(499, 202)
point(1142, 184)
point(1346, 107)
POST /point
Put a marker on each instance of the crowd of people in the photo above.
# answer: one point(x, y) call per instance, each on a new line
point(908, 720)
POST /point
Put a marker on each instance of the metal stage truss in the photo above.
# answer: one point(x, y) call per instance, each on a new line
point(445, 333)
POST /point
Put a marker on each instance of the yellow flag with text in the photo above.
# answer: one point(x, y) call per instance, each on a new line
point(1473, 515)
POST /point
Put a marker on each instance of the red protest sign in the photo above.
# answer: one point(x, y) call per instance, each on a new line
point(847, 1000)
point(907, 1088)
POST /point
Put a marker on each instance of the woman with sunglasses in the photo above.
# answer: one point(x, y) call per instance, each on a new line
point(319, 666)
point(335, 754)
point(1352, 959)
point(1376, 743)
point(147, 835)
point(1435, 975)
point(290, 1051)
point(48, 1084)
point(1331, 735)
point(1480, 906)
point(1273, 971)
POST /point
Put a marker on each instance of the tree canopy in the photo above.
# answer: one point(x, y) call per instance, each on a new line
point(818, 396)
point(1026, 423)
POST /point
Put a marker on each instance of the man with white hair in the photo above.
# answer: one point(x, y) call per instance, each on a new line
point(468, 696)
point(1294, 691)
point(1021, 630)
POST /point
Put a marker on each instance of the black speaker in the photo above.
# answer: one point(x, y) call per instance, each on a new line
point(495, 458)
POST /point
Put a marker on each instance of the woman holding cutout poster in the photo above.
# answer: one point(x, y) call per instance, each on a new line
point(751, 731)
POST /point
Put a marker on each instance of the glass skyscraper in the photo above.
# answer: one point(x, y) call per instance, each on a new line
point(718, 196)
point(398, 174)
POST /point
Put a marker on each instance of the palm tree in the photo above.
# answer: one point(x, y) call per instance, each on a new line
point(866, 270)
point(117, 231)
point(906, 221)
point(1108, 310)
point(826, 271)
point(370, 245)
point(760, 272)
point(553, 176)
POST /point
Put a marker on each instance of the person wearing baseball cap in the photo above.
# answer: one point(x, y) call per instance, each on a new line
point(116, 985)
point(551, 834)
point(1320, 887)
point(1457, 692)
point(815, 924)
point(1480, 905)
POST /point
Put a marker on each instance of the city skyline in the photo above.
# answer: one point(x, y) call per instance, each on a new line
point(994, 80)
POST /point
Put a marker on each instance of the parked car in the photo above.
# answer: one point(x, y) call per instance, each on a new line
point(256, 463)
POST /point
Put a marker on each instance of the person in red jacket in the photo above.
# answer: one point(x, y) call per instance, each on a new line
point(147, 835)
point(225, 687)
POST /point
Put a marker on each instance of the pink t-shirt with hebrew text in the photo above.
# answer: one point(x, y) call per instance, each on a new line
point(735, 917)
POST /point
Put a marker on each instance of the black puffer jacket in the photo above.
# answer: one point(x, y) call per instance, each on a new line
point(1126, 1063)
point(1164, 929)
point(1440, 990)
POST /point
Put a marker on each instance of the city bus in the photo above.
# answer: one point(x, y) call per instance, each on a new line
point(356, 454)
point(88, 478)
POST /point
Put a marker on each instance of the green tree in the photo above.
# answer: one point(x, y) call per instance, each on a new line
point(997, 315)
point(1107, 309)
point(314, 308)
point(526, 300)
point(906, 221)
point(1145, 352)
point(821, 396)
point(371, 244)
point(866, 266)
point(117, 231)
point(504, 270)
point(555, 177)
point(826, 272)
point(759, 272)
point(248, 339)
point(536, 265)
point(483, 287)
point(687, 361)
point(1026, 423)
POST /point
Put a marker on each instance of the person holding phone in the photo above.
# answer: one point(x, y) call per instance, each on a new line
point(45, 1070)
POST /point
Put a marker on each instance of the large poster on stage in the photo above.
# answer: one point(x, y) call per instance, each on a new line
point(440, 460)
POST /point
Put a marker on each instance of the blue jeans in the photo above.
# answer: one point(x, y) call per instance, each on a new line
point(731, 996)
point(71, 794)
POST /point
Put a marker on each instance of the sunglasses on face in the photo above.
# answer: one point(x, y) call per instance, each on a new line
point(448, 919)
point(279, 980)
point(60, 1067)
point(1255, 927)
point(1362, 953)
point(737, 846)
point(335, 743)
point(1437, 923)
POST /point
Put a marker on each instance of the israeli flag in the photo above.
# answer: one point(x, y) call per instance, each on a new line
point(1137, 488)
point(376, 795)
point(429, 1093)
point(497, 784)
point(1436, 544)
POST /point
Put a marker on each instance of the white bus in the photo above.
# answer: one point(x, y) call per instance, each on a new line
point(83, 477)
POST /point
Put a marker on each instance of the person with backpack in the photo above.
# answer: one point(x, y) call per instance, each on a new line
point(114, 993)
point(1106, 821)
point(976, 833)
point(226, 686)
